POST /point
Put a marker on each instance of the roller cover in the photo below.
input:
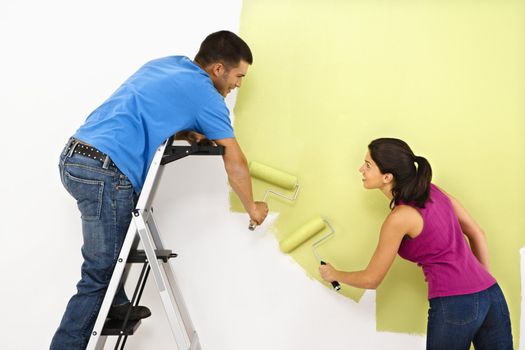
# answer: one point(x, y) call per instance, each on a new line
point(273, 176)
point(302, 234)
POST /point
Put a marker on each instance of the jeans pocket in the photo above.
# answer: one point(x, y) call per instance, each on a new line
point(460, 309)
point(88, 194)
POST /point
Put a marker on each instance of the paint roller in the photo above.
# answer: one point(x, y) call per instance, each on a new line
point(275, 177)
point(304, 233)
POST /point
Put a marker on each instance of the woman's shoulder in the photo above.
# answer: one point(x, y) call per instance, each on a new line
point(408, 218)
point(404, 210)
point(404, 213)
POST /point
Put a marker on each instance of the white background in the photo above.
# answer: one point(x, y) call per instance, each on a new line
point(60, 59)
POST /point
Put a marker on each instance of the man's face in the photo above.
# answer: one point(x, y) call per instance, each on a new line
point(228, 79)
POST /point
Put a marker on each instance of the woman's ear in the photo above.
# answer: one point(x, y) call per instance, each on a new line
point(388, 178)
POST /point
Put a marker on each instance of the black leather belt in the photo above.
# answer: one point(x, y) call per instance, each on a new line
point(79, 147)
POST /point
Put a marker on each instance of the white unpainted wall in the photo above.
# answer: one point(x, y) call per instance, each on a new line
point(60, 59)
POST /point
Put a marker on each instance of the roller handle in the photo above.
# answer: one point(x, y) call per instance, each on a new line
point(335, 284)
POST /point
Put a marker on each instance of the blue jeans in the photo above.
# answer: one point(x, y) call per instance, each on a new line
point(105, 198)
point(480, 318)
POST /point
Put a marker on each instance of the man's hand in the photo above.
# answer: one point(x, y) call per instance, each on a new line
point(259, 212)
point(194, 137)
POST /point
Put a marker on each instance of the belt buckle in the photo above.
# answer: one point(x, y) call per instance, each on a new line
point(72, 144)
point(107, 162)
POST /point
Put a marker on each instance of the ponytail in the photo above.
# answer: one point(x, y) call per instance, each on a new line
point(418, 190)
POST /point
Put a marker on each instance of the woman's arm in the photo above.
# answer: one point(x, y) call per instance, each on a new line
point(474, 233)
point(402, 220)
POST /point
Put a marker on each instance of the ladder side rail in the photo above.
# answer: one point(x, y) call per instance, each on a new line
point(195, 343)
point(174, 294)
point(101, 342)
point(94, 340)
point(152, 179)
point(179, 300)
point(172, 282)
point(152, 225)
point(173, 313)
point(134, 247)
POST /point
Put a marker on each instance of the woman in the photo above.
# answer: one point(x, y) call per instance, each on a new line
point(427, 226)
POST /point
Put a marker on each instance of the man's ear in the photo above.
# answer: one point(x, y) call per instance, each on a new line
point(217, 69)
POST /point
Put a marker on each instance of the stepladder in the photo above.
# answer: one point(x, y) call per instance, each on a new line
point(155, 259)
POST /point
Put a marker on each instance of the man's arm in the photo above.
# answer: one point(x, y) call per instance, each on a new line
point(239, 177)
point(193, 137)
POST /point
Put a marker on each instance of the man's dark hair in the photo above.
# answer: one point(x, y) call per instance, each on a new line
point(223, 47)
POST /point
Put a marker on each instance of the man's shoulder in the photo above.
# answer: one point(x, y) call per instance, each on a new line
point(169, 62)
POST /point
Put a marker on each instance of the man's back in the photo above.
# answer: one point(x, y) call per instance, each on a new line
point(164, 96)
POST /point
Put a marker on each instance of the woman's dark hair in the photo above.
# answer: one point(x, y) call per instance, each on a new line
point(411, 182)
point(224, 47)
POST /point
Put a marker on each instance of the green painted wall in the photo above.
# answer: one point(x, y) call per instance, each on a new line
point(448, 77)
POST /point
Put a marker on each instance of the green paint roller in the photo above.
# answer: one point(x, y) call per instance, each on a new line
point(275, 177)
point(304, 233)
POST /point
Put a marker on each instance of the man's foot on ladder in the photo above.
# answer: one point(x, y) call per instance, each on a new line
point(118, 312)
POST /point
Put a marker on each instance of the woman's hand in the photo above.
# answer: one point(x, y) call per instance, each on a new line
point(328, 273)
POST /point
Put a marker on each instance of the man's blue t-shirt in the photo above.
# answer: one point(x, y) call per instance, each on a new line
point(163, 97)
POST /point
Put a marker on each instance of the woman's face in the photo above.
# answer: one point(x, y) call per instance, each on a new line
point(372, 176)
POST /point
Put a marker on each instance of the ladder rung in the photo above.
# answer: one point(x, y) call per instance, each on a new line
point(113, 327)
point(139, 256)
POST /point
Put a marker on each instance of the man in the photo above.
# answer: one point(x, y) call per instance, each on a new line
point(105, 163)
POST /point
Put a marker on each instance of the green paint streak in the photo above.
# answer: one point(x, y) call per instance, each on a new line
point(329, 77)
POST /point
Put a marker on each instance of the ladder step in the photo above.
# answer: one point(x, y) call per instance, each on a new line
point(139, 256)
point(114, 327)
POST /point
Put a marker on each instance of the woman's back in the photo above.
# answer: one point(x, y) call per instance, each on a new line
point(441, 250)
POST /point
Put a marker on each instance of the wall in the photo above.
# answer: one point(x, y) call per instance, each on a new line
point(60, 60)
point(445, 77)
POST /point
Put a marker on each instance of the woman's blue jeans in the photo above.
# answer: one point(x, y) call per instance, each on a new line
point(105, 198)
point(480, 318)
